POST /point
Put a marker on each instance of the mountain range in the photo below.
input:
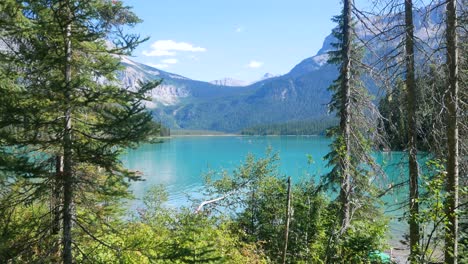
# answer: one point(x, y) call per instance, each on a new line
point(230, 105)
point(183, 103)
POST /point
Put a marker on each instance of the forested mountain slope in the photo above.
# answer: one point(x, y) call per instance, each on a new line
point(300, 94)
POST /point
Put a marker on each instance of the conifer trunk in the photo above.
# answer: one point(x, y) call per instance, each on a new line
point(345, 187)
point(67, 151)
point(288, 218)
point(56, 195)
point(412, 133)
point(451, 236)
point(56, 204)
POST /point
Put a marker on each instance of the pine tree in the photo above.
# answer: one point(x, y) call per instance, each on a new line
point(345, 116)
point(350, 159)
point(61, 101)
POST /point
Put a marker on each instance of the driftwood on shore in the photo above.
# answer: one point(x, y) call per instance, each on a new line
point(200, 207)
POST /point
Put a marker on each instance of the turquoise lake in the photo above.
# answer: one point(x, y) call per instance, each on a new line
point(179, 163)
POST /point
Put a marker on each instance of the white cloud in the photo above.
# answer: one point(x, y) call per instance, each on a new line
point(239, 29)
point(170, 61)
point(169, 48)
point(255, 64)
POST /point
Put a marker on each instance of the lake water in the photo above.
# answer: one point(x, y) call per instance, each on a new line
point(179, 163)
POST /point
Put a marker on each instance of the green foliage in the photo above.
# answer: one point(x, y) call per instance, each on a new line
point(163, 235)
point(65, 119)
point(393, 109)
point(361, 130)
point(28, 234)
point(364, 236)
point(35, 95)
point(21, 225)
point(256, 199)
point(430, 121)
point(432, 217)
point(352, 234)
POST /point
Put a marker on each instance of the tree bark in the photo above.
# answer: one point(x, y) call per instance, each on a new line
point(345, 186)
point(56, 195)
point(412, 133)
point(451, 236)
point(67, 151)
point(288, 217)
point(56, 205)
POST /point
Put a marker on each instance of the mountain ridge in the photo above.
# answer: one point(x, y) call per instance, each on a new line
point(300, 94)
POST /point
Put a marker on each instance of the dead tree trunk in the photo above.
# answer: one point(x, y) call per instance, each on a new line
point(412, 133)
point(451, 236)
point(345, 186)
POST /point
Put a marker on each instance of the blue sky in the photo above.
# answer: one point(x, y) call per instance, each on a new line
point(242, 39)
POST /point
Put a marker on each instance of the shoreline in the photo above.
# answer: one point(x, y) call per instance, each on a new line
point(239, 135)
point(207, 135)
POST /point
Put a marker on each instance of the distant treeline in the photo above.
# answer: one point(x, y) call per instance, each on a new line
point(164, 131)
point(306, 127)
point(190, 132)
